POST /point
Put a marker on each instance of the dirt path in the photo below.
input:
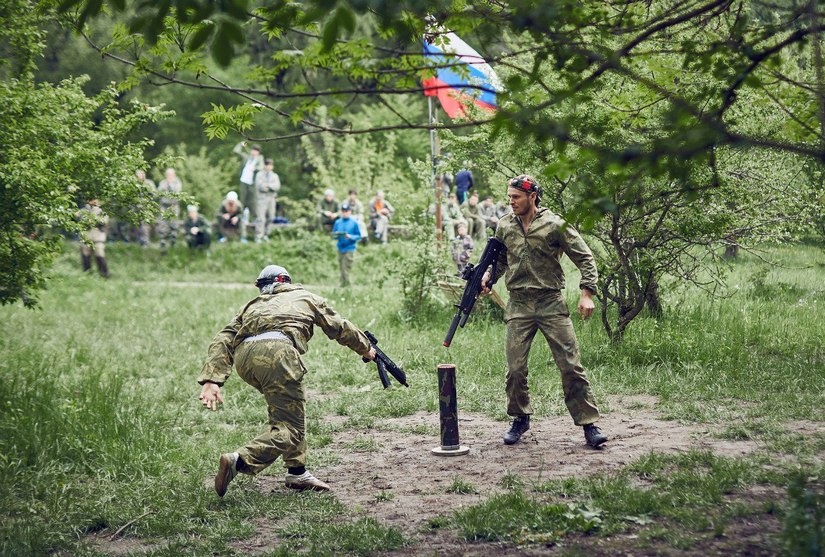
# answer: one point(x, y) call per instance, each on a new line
point(390, 474)
point(553, 448)
point(400, 483)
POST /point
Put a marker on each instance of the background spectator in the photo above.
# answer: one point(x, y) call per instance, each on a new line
point(198, 233)
point(348, 234)
point(463, 184)
point(328, 210)
point(253, 162)
point(380, 213)
point(167, 226)
point(268, 183)
point(461, 248)
point(229, 218)
point(357, 209)
point(94, 239)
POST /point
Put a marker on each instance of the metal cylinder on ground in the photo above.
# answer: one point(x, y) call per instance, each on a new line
point(448, 411)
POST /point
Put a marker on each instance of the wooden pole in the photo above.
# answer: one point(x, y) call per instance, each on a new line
point(434, 153)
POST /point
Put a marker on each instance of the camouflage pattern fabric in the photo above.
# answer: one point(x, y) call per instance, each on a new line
point(533, 261)
point(290, 309)
point(534, 277)
point(275, 369)
point(525, 315)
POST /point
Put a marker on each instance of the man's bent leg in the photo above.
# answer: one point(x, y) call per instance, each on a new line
point(274, 368)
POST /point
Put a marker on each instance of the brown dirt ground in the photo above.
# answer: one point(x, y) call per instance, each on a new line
point(391, 475)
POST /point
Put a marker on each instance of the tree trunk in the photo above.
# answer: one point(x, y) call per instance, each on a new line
point(652, 299)
point(732, 249)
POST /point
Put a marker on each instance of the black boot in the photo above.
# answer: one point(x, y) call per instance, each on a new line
point(87, 262)
point(517, 429)
point(102, 266)
point(594, 436)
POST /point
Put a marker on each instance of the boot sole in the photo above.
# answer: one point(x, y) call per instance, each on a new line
point(222, 479)
point(307, 487)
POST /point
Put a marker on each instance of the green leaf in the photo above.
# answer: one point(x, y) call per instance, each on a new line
point(201, 35)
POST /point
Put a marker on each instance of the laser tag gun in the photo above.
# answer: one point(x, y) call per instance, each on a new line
point(385, 364)
point(473, 275)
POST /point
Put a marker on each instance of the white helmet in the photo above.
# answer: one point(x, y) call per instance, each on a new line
point(232, 196)
point(272, 273)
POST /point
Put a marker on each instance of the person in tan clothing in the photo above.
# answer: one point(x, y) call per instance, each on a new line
point(536, 239)
point(94, 239)
point(265, 341)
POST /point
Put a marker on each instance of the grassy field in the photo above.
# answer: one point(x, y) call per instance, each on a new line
point(102, 436)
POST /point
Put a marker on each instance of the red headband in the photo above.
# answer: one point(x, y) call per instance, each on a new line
point(523, 184)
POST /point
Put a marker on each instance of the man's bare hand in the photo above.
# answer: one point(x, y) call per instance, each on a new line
point(586, 304)
point(370, 355)
point(211, 396)
point(484, 280)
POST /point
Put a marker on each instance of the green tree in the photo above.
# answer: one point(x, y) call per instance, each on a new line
point(58, 149)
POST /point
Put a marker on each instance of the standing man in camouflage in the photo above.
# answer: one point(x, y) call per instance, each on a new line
point(536, 239)
point(265, 342)
point(167, 226)
point(268, 184)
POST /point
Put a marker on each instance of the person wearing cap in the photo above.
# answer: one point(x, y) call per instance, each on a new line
point(198, 233)
point(535, 239)
point(328, 210)
point(265, 342)
point(347, 232)
point(229, 217)
point(268, 183)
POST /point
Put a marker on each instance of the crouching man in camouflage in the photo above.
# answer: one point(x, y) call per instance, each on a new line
point(265, 341)
point(535, 240)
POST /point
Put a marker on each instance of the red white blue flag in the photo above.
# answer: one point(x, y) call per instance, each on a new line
point(462, 76)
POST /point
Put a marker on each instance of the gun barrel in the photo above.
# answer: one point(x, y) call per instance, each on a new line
point(453, 326)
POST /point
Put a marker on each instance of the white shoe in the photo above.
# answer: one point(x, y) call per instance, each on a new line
point(305, 481)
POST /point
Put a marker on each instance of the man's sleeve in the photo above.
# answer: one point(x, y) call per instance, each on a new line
point(238, 150)
point(220, 355)
point(355, 231)
point(339, 329)
point(501, 266)
point(579, 253)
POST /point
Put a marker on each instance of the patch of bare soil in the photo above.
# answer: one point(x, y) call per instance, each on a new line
point(394, 477)
point(120, 546)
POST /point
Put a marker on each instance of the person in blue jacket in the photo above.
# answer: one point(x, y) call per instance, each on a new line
point(463, 184)
point(348, 233)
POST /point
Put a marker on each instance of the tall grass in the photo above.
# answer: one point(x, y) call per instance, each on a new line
point(99, 422)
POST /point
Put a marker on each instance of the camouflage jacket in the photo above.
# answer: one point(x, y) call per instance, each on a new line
point(533, 260)
point(289, 309)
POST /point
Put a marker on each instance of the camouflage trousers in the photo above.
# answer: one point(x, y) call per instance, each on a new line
point(525, 315)
point(345, 259)
point(275, 368)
